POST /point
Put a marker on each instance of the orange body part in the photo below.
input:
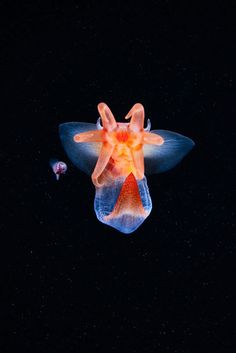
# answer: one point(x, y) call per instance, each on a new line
point(122, 145)
point(129, 200)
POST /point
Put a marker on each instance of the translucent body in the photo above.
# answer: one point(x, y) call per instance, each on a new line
point(58, 167)
point(116, 155)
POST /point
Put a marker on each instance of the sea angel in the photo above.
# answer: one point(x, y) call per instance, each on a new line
point(117, 155)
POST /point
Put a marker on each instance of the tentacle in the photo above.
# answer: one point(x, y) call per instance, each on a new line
point(89, 136)
point(138, 160)
point(137, 117)
point(108, 120)
point(103, 159)
point(152, 139)
point(98, 124)
point(148, 127)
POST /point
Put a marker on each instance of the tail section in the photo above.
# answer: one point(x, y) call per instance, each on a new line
point(123, 205)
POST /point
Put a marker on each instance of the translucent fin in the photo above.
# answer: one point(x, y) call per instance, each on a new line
point(159, 159)
point(83, 155)
point(124, 205)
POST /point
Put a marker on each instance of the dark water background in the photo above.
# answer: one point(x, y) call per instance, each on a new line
point(71, 284)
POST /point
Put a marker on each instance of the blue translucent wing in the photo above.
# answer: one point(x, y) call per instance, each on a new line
point(83, 155)
point(161, 158)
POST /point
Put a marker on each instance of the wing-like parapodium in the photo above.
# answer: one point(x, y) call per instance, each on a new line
point(159, 159)
point(83, 155)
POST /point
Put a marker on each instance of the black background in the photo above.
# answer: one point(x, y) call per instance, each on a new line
point(72, 284)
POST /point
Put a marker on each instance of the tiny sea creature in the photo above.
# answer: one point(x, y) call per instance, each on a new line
point(58, 167)
point(117, 156)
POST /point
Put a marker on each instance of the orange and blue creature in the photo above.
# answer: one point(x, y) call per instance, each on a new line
point(117, 156)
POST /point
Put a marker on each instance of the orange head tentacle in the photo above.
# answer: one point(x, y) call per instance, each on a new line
point(137, 117)
point(108, 120)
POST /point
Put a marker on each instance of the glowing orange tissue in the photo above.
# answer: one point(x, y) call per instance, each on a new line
point(117, 156)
